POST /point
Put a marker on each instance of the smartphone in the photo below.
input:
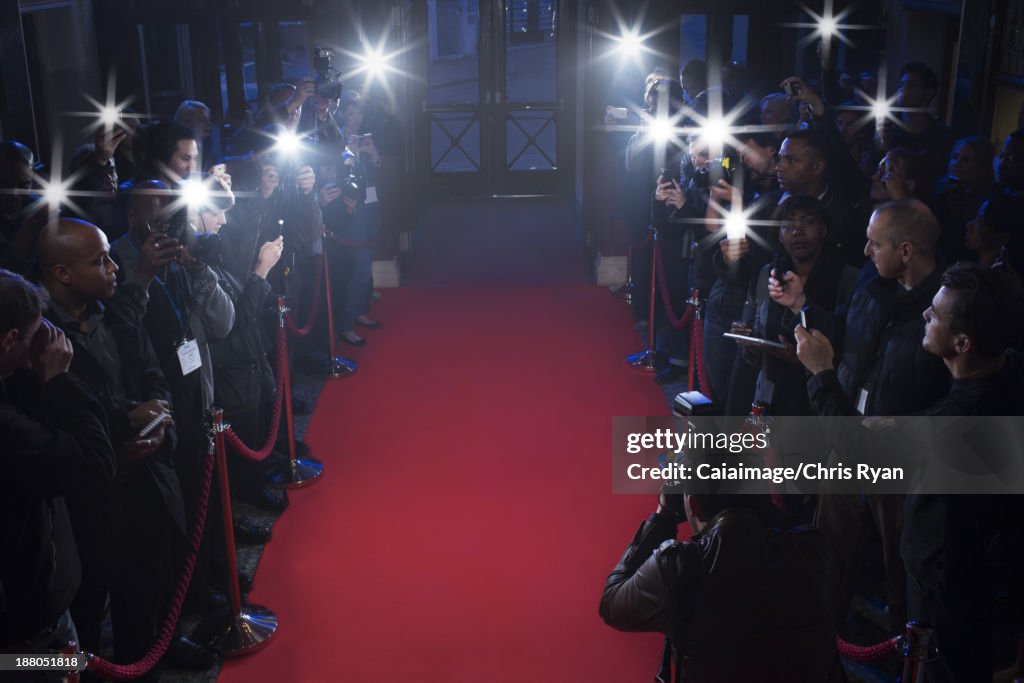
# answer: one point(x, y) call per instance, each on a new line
point(149, 428)
point(618, 113)
point(666, 175)
point(780, 266)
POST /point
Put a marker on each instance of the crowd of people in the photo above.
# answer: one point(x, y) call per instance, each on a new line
point(127, 311)
point(883, 257)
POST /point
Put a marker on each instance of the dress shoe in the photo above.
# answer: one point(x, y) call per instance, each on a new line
point(183, 653)
point(367, 322)
point(354, 340)
point(269, 499)
point(249, 532)
point(673, 374)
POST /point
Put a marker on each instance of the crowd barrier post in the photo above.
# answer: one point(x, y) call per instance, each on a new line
point(644, 361)
point(916, 650)
point(249, 627)
point(694, 301)
point(297, 472)
point(628, 286)
point(340, 367)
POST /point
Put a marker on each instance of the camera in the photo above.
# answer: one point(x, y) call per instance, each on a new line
point(328, 79)
point(720, 168)
point(351, 188)
point(791, 90)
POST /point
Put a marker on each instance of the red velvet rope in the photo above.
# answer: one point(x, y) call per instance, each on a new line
point(235, 441)
point(124, 672)
point(666, 300)
point(887, 649)
point(697, 339)
point(314, 303)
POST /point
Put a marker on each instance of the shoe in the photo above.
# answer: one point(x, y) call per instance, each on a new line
point(271, 500)
point(251, 533)
point(184, 653)
point(673, 374)
point(358, 341)
point(372, 324)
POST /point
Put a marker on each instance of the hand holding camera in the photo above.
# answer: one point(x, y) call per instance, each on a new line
point(734, 250)
point(787, 290)
point(305, 179)
point(107, 140)
point(796, 89)
point(157, 252)
point(270, 254)
point(329, 193)
point(670, 193)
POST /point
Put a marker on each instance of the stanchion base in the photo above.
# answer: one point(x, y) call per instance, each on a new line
point(239, 634)
point(342, 368)
point(296, 474)
point(643, 361)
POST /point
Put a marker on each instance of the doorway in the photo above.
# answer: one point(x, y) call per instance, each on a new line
point(494, 120)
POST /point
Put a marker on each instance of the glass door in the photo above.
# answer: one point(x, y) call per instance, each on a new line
point(492, 106)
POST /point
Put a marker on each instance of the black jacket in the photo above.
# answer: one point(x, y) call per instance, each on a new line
point(881, 350)
point(747, 583)
point(242, 376)
point(139, 379)
point(54, 442)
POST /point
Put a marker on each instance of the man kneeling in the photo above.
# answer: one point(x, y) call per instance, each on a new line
point(746, 598)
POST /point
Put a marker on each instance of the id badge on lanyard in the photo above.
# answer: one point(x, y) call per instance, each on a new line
point(188, 355)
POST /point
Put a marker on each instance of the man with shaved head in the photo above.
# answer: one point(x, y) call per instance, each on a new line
point(882, 369)
point(131, 532)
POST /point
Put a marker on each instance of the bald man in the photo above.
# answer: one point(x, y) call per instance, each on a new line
point(128, 533)
point(882, 369)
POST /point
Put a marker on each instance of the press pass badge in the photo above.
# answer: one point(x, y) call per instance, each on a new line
point(862, 400)
point(371, 195)
point(188, 356)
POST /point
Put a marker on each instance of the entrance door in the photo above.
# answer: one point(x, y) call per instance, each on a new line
point(493, 120)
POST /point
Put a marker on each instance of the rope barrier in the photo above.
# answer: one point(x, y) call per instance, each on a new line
point(275, 419)
point(125, 672)
point(314, 304)
point(871, 654)
point(666, 301)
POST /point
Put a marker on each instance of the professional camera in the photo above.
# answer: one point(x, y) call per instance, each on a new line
point(351, 188)
point(328, 79)
point(720, 168)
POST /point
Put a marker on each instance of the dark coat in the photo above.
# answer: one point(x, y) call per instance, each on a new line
point(882, 350)
point(743, 584)
point(54, 442)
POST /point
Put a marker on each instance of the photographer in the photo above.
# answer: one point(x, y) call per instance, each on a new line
point(676, 208)
point(182, 307)
point(244, 383)
point(737, 261)
point(54, 442)
point(748, 581)
point(352, 212)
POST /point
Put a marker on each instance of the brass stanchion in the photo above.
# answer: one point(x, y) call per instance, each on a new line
point(644, 361)
point(297, 472)
point(694, 301)
point(249, 627)
point(340, 367)
point(916, 650)
point(628, 287)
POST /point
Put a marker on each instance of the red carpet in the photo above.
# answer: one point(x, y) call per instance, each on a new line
point(465, 524)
